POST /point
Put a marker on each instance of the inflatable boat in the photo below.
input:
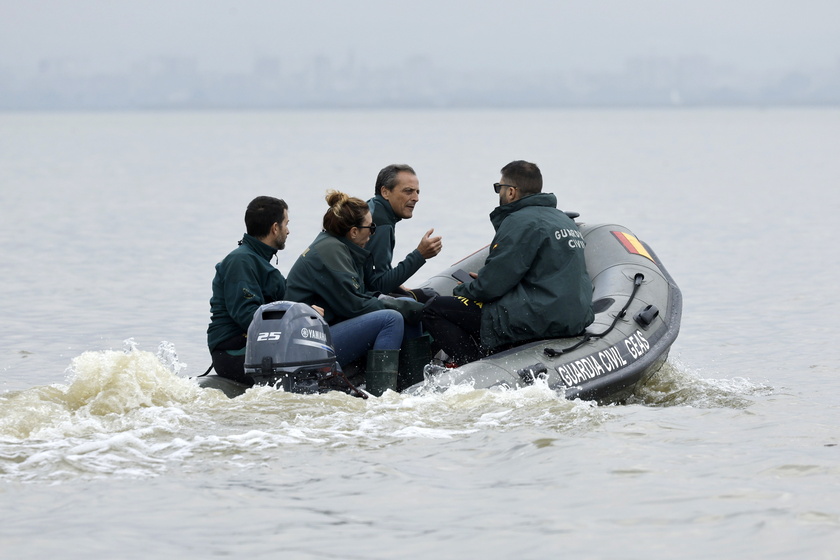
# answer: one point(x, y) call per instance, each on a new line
point(637, 307)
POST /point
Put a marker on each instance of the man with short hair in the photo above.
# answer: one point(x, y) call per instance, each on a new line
point(397, 193)
point(245, 280)
point(533, 284)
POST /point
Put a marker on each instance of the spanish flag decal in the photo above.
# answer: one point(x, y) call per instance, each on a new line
point(632, 244)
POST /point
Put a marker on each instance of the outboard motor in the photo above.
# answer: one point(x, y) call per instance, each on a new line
point(289, 344)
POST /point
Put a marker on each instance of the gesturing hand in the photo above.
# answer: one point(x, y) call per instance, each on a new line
point(430, 246)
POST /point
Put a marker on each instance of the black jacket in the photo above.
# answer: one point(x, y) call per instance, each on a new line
point(245, 280)
point(384, 278)
point(331, 273)
point(534, 282)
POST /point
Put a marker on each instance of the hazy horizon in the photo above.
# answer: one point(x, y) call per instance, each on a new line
point(98, 54)
point(492, 35)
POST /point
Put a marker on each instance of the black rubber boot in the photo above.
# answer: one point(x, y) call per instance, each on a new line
point(414, 357)
point(381, 371)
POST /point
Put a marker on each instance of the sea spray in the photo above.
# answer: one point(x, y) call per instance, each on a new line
point(167, 355)
point(677, 385)
point(99, 384)
point(118, 382)
point(126, 414)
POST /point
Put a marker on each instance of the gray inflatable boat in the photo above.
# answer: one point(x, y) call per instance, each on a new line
point(637, 308)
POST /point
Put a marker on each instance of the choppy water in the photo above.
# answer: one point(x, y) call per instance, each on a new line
point(112, 224)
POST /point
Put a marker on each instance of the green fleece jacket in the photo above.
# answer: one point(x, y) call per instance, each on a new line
point(534, 282)
point(385, 278)
point(245, 280)
point(331, 273)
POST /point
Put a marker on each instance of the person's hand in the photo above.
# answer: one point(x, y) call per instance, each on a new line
point(318, 309)
point(430, 246)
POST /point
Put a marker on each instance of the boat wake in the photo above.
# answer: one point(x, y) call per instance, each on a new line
point(677, 385)
point(130, 415)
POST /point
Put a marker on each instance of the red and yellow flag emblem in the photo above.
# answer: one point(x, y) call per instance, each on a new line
point(632, 244)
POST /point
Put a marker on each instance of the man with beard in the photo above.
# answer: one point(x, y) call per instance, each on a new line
point(533, 284)
point(245, 280)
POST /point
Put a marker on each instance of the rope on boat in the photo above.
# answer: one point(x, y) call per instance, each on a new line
point(637, 282)
point(356, 392)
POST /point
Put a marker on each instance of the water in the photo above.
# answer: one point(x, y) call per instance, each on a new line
point(112, 224)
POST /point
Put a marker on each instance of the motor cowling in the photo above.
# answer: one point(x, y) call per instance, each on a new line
point(289, 345)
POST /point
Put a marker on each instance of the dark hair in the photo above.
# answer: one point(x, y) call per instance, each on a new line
point(524, 175)
point(345, 212)
point(262, 213)
point(387, 178)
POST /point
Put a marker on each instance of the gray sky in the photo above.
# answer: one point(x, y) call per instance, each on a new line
point(491, 34)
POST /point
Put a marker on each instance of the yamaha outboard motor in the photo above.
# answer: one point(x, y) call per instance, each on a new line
point(289, 344)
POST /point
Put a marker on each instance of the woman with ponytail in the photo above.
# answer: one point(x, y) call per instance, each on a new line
point(331, 274)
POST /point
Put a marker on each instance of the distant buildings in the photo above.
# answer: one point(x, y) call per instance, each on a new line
point(179, 83)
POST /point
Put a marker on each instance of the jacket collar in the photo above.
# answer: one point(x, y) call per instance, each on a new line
point(260, 248)
point(386, 207)
point(498, 215)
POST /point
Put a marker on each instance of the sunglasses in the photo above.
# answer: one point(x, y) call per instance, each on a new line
point(371, 227)
point(498, 187)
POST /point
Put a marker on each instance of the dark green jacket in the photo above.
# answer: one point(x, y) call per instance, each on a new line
point(331, 274)
point(534, 282)
point(245, 280)
point(384, 278)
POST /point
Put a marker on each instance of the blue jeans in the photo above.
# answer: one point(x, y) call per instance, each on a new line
point(377, 330)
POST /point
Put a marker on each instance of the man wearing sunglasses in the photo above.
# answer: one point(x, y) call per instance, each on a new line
point(533, 284)
point(397, 193)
